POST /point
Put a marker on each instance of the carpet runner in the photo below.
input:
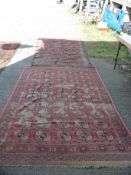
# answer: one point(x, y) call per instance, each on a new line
point(63, 53)
point(61, 116)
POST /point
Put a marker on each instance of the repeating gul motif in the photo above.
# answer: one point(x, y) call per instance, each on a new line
point(61, 111)
point(62, 107)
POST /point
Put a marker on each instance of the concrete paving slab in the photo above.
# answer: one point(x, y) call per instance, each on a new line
point(8, 77)
point(119, 86)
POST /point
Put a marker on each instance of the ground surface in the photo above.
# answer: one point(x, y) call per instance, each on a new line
point(119, 84)
point(28, 26)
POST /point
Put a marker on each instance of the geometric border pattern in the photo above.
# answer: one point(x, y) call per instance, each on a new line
point(24, 151)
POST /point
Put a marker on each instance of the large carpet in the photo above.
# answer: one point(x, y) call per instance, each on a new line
point(60, 52)
point(62, 116)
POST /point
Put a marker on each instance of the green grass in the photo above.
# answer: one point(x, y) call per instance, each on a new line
point(102, 44)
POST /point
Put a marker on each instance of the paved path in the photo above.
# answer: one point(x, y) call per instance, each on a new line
point(119, 86)
point(25, 20)
point(22, 24)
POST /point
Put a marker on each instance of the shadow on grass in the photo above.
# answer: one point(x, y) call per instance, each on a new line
point(105, 50)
